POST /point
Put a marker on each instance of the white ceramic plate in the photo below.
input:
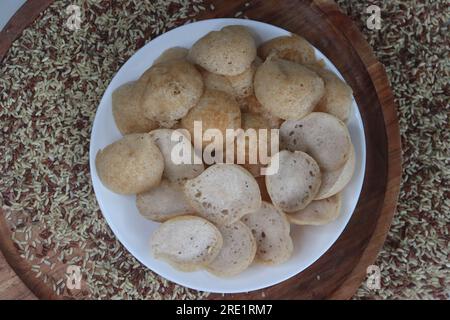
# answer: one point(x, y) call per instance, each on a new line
point(133, 231)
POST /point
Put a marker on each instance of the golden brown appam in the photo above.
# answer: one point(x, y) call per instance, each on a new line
point(130, 165)
point(287, 89)
point(172, 88)
point(127, 111)
point(229, 51)
point(293, 48)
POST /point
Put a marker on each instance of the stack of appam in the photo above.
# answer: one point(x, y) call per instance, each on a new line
point(212, 215)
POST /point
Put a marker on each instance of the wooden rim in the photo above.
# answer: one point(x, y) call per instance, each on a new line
point(387, 157)
point(381, 84)
point(25, 16)
point(19, 21)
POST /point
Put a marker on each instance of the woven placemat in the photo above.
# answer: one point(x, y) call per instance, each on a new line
point(51, 82)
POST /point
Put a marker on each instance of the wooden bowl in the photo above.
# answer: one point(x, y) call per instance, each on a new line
point(340, 271)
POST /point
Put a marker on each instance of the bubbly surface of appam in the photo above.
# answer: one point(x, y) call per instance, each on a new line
point(271, 230)
point(163, 202)
point(229, 51)
point(130, 165)
point(286, 89)
point(335, 181)
point(223, 193)
point(323, 136)
point(127, 111)
point(188, 243)
point(296, 182)
point(318, 212)
point(175, 53)
point(237, 253)
point(172, 88)
point(215, 110)
point(293, 48)
point(337, 99)
point(169, 141)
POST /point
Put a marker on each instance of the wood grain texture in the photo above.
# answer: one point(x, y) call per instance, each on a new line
point(21, 267)
point(339, 272)
point(11, 287)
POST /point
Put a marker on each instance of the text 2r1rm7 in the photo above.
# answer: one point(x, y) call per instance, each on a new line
point(245, 309)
